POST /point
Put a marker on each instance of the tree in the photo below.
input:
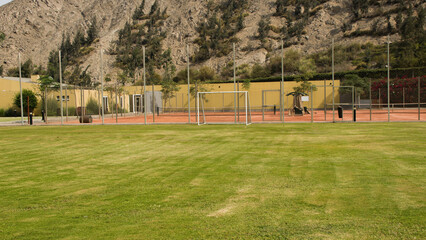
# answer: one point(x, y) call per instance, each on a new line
point(240, 23)
point(280, 7)
point(298, 10)
point(92, 32)
point(168, 86)
point(46, 83)
point(154, 8)
point(292, 59)
point(27, 68)
point(259, 71)
point(206, 74)
point(360, 84)
point(139, 13)
point(1, 70)
point(25, 95)
point(263, 28)
point(307, 68)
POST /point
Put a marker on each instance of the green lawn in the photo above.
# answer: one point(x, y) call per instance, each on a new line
point(293, 181)
point(15, 119)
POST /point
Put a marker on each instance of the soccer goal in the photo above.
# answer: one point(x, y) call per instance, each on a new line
point(231, 107)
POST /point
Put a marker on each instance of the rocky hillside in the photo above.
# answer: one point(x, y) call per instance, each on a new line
point(36, 27)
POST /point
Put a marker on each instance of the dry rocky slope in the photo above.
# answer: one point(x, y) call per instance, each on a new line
point(35, 27)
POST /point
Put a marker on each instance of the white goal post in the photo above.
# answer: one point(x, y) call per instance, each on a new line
point(225, 107)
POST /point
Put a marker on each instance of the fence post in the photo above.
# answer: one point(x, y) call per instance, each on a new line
point(353, 103)
point(263, 105)
point(325, 100)
point(371, 105)
point(403, 97)
point(312, 104)
point(419, 98)
point(153, 104)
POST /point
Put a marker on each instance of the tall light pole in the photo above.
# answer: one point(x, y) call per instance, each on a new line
point(60, 86)
point(102, 87)
point(332, 74)
point(144, 86)
point(20, 88)
point(282, 103)
point(189, 91)
point(388, 79)
point(235, 87)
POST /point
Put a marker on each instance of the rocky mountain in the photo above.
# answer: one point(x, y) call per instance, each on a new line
point(36, 27)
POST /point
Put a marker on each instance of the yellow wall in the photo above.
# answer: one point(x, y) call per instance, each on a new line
point(8, 89)
point(180, 100)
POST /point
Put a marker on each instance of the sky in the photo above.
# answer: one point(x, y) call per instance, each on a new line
point(3, 2)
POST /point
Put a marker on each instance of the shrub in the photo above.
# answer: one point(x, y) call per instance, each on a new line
point(11, 112)
point(92, 107)
point(2, 112)
point(52, 107)
point(258, 71)
point(71, 111)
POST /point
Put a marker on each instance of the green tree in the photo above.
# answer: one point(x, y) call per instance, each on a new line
point(361, 85)
point(26, 94)
point(45, 83)
point(307, 67)
point(258, 71)
point(92, 32)
point(2, 37)
point(139, 13)
point(263, 28)
point(27, 68)
point(280, 6)
point(292, 60)
point(168, 86)
point(206, 74)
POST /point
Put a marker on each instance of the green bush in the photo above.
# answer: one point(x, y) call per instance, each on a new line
point(52, 107)
point(71, 111)
point(11, 112)
point(92, 107)
point(2, 112)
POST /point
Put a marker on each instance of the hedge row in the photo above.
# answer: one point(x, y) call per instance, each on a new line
point(367, 73)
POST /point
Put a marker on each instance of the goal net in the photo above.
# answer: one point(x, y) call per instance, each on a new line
point(223, 108)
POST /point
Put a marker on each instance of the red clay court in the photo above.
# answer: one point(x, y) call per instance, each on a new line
point(377, 115)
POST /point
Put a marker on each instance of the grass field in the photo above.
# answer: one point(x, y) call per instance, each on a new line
point(297, 181)
point(15, 119)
